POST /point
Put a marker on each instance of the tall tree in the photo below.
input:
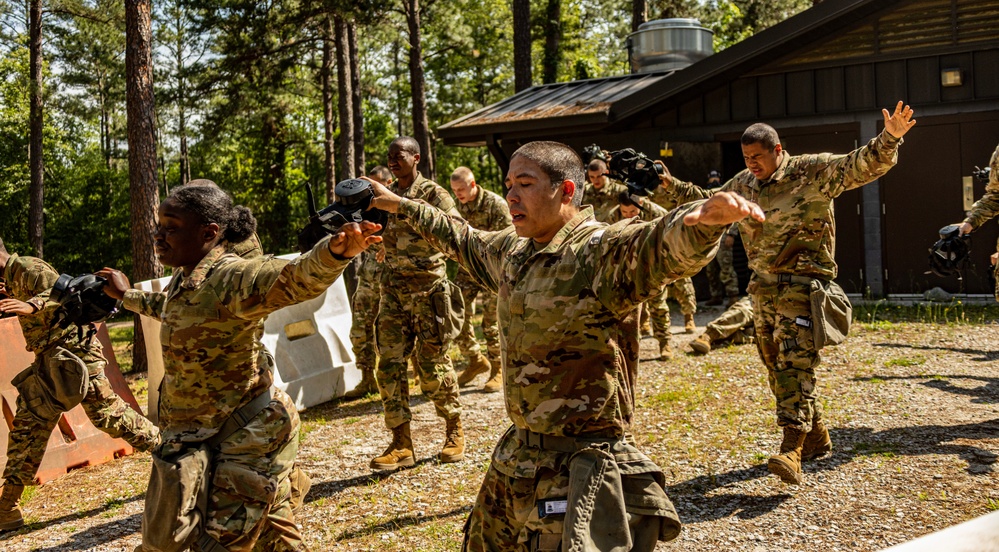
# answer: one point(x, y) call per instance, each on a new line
point(141, 108)
point(345, 101)
point(326, 74)
point(552, 25)
point(357, 103)
point(639, 13)
point(522, 45)
point(418, 85)
point(36, 215)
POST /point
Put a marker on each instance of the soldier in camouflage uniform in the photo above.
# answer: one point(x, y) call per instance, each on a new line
point(27, 282)
point(601, 192)
point(734, 326)
point(364, 307)
point(213, 314)
point(722, 279)
point(656, 309)
point(988, 206)
point(406, 326)
point(484, 210)
point(568, 291)
point(787, 254)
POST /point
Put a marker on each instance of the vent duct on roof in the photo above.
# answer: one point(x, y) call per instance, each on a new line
point(668, 45)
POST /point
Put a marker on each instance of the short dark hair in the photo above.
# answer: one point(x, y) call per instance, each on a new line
point(381, 173)
point(559, 162)
point(407, 144)
point(760, 133)
point(624, 198)
point(596, 164)
point(212, 205)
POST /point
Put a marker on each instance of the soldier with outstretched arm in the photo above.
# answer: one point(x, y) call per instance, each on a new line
point(568, 292)
point(790, 253)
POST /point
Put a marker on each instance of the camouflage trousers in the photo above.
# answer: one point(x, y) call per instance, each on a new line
point(364, 310)
point(401, 331)
point(249, 505)
point(735, 325)
point(656, 310)
point(466, 340)
point(782, 314)
point(722, 278)
point(29, 435)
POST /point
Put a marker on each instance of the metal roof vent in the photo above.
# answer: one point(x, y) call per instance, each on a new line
point(668, 45)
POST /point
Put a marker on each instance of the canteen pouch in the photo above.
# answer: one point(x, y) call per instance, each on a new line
point(447, 307)
point(176, 500)
point(53, 384)
point(832, 313)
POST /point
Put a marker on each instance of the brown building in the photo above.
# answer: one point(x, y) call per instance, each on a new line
point(820, 78)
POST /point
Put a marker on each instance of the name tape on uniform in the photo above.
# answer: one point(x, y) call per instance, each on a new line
point(552, 507)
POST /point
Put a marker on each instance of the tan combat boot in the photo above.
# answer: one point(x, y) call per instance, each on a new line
point(364, 388)
point(399, 453)
point(787, 464)
point(666, 351)
point(300, 485)
point(817, 442)
point(454, 442)
point(477, 364)
point(701, 345)
point(10, 514)
point(688, 323)
point(495, 383)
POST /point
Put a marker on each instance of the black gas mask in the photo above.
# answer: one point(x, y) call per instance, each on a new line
point(949, 253)
point(353, 197)
point(636, 170)
point(82, 300)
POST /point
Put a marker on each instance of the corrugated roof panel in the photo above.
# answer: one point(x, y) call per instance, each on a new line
point(561, 100)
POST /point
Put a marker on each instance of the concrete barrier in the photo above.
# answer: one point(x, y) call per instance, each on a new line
point(978, 535)
point(310, 343)
point(75, 442)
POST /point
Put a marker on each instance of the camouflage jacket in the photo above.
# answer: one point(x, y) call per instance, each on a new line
point(212, 319)
point(369, 270)
point(799, 234)
point(650, 211)
point(30, 279)
point(604, 199)
point(566, 315)
point(488, 211)
point(987, 207)
point(409, 259)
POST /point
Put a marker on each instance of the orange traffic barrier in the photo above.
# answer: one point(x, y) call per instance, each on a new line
point(75, 442)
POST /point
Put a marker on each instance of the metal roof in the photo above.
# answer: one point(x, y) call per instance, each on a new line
point(595, 104)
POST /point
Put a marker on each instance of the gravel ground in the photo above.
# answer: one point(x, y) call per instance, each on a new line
point(912, 409)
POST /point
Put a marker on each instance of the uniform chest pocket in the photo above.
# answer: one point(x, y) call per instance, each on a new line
point(182, 322)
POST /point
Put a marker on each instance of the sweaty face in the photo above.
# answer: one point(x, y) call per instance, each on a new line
point(402, 163)
point(760, 160)
point(534, 205)
point(630, 211)
point(181, 239)
point(462, 190)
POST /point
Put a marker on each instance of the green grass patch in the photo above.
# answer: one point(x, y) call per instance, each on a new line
point(29, 492)
point(884, 450)
point(915, 360)
point(882, 315)
point(992, 504)
point(122, 336)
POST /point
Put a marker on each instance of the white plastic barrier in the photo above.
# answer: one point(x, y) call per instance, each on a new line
point(310, 343)
point(978, 535)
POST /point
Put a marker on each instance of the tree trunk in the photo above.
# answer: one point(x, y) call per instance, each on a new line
point(639, 13)
point(327, 79)
point(421, 126)
point(185, 163)
point(358, 107)
point(140, 105)
point(36, 202)
point(521, 45)
point(553, 41)
point(344, 101)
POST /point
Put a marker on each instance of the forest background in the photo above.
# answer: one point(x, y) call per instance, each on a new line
point(123, 101)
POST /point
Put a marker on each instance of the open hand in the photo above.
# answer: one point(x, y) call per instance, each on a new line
point(117, 283)
point(899, 122)
point(724, 208)
point(354, 238)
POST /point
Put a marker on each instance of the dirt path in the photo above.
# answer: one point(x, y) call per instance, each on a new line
point(914, 412)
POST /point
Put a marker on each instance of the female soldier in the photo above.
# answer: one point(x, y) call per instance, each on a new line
point(212, 313)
